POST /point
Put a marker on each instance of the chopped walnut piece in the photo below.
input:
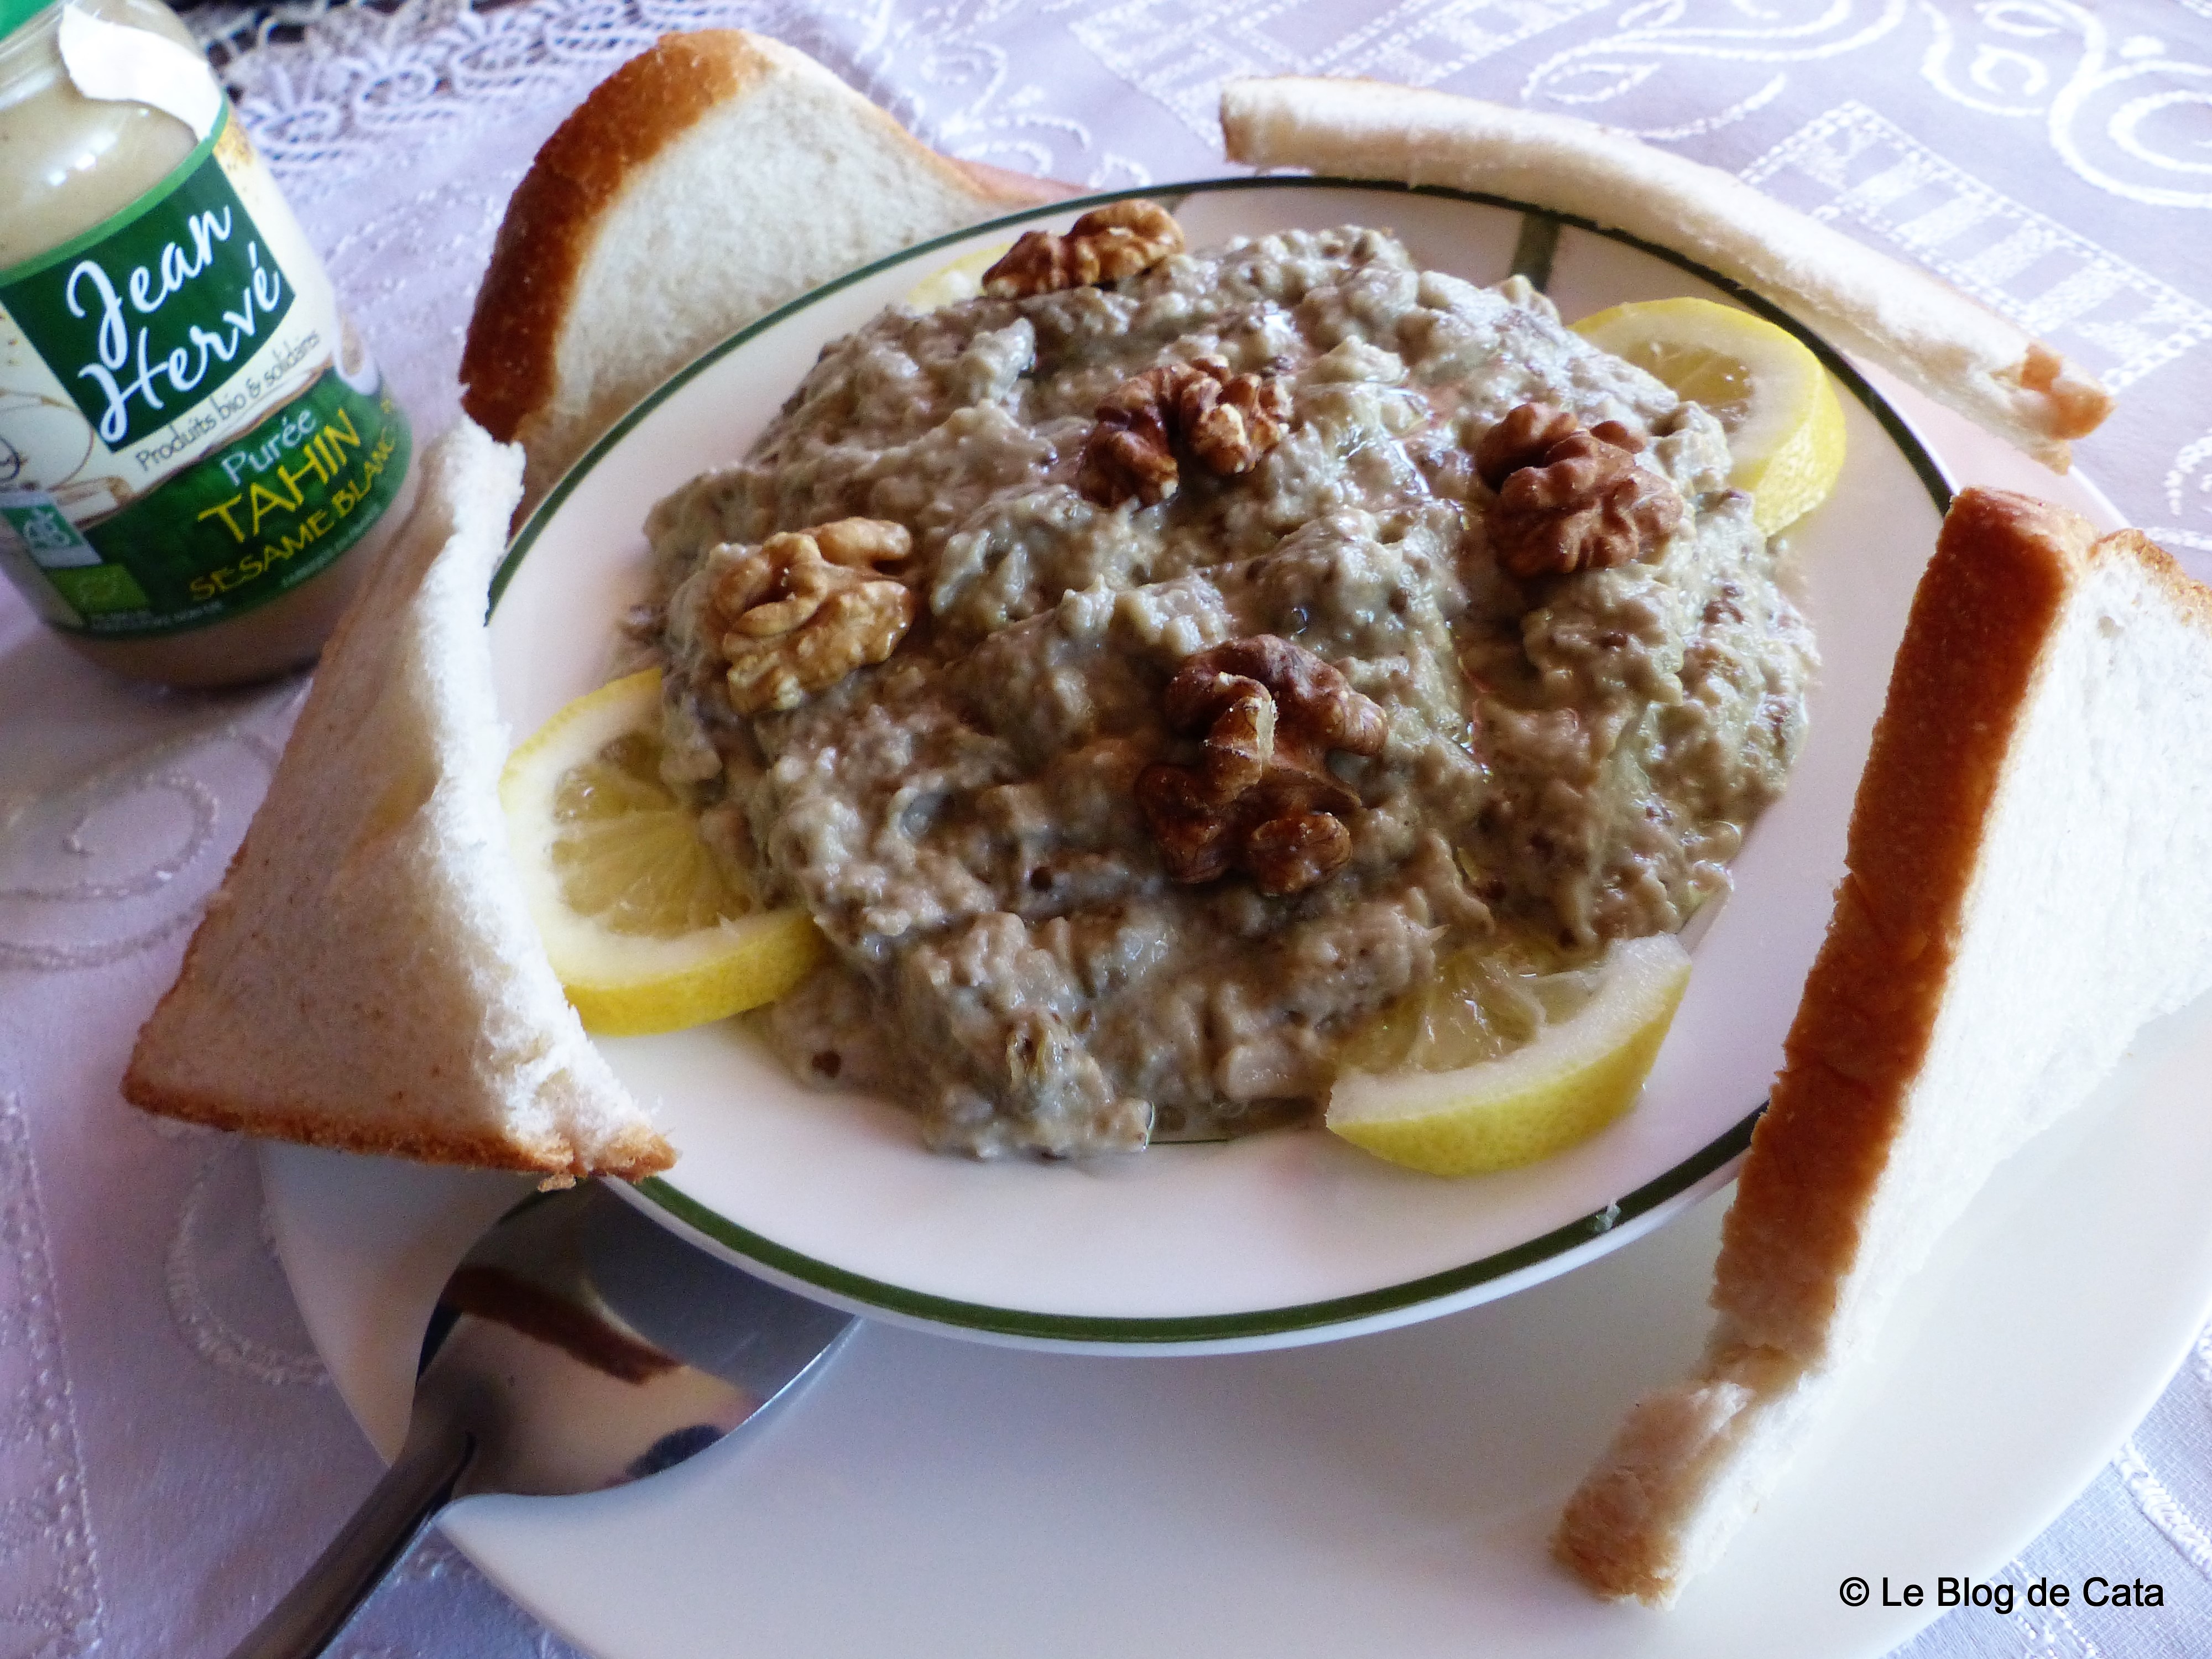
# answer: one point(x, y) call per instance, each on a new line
point(862, 543)
point(1231, 420)
point(1570, 498)
point(1197, 839)
point(1228, 421)
point(1261, 799)
point(807, 608)
point(1519, 439)
point(1290, 854)
point(1239, 738)
point(1130, 451)
point(1103, 245)
point(1317, 708)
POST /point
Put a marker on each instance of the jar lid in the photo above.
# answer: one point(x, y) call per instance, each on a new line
point(14, 14)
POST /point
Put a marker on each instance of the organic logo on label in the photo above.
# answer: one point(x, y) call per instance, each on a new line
point(151, 319)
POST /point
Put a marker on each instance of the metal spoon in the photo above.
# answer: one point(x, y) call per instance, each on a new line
point(577, 1346)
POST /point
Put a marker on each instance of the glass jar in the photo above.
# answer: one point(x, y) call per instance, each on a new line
point(198, 457)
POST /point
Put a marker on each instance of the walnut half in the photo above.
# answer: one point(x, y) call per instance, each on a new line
point(1570, 498)
point(1105, 244)
point(1261, 797)
point(807, 608)
point(1226, 421)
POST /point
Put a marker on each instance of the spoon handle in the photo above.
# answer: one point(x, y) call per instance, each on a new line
point(416, 1487)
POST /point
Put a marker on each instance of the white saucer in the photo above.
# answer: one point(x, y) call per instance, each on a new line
point(1387, 1495)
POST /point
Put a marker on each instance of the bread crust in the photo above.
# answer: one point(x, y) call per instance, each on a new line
point(507, 362)
point(510, 369)
point(632, 1155)
point(1980, 618)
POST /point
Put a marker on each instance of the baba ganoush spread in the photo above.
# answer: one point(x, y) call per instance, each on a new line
point(1012, 776)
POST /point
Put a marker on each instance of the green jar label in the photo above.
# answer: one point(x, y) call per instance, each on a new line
point(147, 322)
point(188, 427)
point(251, 522)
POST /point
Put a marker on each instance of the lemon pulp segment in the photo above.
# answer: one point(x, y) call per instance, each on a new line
point(644, 927)
point(961, 280)
point(1525, 1101)
point(1784, 425)
point(1483, 1004)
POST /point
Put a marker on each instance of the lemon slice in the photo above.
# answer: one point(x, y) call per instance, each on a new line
point(645, 929)
point(1762, 383)
point(961, 280)
point(1568, 1080)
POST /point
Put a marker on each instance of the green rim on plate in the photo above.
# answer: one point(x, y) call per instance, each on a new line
point(1198, 1328)
point(1532, 258)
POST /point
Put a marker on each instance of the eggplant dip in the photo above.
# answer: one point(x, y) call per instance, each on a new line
point(1150, 671)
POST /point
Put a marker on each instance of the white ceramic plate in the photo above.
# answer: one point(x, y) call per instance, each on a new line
point(1280, 1237)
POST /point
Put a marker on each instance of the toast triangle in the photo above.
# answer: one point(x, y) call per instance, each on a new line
point(2028, 880)
point(367, 976)
point(702, 184)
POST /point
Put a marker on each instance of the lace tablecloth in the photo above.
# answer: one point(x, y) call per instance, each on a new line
point(170, 1453)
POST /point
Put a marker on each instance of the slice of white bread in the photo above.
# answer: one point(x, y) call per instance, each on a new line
point(367, 975)
point(2028, 880)
point(1957, 351)
point(700, 186)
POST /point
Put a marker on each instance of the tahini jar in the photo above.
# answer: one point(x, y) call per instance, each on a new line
point(198, 457)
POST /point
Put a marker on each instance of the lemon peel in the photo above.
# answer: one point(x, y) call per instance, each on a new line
point(645, 929)
point(1569, 1080)
point(1784, 425)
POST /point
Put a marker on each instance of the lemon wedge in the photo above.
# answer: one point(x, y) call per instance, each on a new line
point(1762, 383)
point(961, 280)
point(644, 928)
point(1596, 1032)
